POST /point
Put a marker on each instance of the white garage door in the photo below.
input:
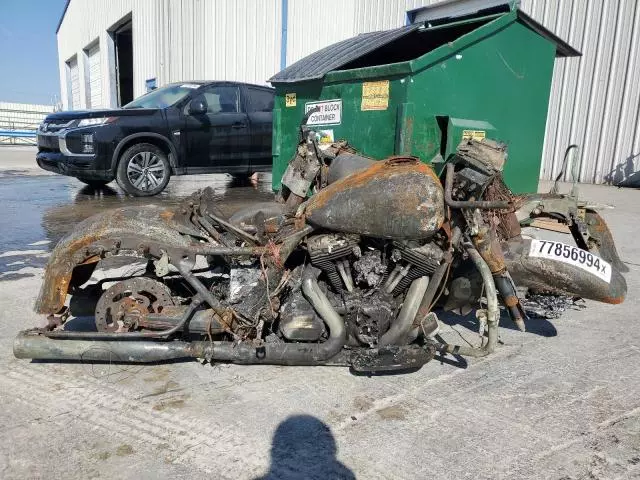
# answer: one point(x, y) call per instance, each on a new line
point(74, 76)
point(95, 77)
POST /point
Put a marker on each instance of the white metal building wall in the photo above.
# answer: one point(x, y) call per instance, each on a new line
point(95, 77)
point(176, 40)
point(312, 26)
point(594, 99)
point(216, 39)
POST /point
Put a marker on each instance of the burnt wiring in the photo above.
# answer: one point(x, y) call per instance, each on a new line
point(266, 282)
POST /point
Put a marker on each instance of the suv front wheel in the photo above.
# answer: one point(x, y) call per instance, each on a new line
point(143, 170)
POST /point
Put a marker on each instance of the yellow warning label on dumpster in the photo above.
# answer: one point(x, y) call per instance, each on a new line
point(473, 134)
point(290, 99)
point(375, 95)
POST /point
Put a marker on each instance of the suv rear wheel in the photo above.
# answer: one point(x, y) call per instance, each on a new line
point(143, 170)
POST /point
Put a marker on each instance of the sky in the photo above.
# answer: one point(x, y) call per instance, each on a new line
point(28, 49)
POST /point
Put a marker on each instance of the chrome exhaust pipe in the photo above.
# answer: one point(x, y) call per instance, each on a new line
point(37, 345)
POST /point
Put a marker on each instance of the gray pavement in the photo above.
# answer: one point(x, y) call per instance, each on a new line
point(19, 160)
point(561, 401)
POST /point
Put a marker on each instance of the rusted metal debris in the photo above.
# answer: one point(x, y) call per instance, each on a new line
point(551, 306)
point(352, 275)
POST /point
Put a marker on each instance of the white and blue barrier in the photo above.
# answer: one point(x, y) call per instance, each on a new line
point(17, 133)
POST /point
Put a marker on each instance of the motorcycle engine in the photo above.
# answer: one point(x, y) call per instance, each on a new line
point(365, 281)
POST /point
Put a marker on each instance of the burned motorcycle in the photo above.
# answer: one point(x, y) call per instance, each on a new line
point(351, 275)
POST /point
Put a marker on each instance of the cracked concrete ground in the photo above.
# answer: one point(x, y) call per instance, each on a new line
point(561, 401)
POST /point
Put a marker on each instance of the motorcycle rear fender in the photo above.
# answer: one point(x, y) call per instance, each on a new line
point(598, 238)
point(120, 231)
point(544, 274)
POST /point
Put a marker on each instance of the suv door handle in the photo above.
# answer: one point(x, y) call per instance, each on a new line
point(238, 125)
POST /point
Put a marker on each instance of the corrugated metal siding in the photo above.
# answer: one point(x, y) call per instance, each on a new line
point(234, 39)
point(217, 39)
point(594, 99)
point(312, 26)
point(177, 40)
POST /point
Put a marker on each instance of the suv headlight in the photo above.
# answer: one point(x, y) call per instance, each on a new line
point(85, 122)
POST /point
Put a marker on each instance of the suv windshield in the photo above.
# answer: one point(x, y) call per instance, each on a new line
point(163, 97)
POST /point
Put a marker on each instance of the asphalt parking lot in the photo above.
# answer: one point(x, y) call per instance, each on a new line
point(561, 401)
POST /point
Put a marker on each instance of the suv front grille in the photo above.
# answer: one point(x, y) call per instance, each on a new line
point(48, 142)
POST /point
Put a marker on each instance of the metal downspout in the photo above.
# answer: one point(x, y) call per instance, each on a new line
point(283, 34)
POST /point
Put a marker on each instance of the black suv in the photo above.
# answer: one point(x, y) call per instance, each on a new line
point(180, 129)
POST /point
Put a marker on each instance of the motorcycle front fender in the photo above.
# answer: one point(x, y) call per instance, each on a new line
point(119, 231)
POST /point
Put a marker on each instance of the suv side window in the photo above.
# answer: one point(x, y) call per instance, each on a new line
point(222, 99)
point(260, 100)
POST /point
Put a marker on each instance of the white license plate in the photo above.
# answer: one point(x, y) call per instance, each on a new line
point(564, 253)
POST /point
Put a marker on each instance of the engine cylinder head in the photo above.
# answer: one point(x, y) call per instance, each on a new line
point(424, 260)
point(325, 249)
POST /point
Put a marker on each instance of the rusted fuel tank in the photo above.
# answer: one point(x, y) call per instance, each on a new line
point(399, 198)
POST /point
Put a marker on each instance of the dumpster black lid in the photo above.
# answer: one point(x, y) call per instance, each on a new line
point(333, 57)
point(318, 64)
point(563, 49)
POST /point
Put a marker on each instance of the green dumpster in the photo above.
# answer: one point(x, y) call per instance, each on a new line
point(420, 89)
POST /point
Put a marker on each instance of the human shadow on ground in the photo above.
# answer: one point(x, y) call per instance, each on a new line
point(303, 447)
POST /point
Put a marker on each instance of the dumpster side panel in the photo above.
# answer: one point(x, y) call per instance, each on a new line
point(369, 125)
point(287, 115)
point(503, 79)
